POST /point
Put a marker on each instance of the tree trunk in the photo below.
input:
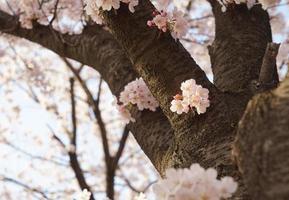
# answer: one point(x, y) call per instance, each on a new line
point(261, 147)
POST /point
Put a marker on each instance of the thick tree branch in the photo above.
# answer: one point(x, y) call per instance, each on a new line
point(97, 48)
point(262, 144)
point(94, 47)
point(237, 52)
point(157, 57)
point(164, 64)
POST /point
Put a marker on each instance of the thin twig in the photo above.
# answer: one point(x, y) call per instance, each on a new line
point(27, 187)
point(73, 112)
point(122, 143)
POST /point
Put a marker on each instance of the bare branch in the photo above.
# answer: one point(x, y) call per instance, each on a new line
point(35, 156)
point(94, 103)
point(267, 78)
point(73, 112)
point(54, 136)
point(25, 186)
point(122, 143)
point(74, 163)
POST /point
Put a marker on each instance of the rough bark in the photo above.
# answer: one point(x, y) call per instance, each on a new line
point(204, 139)
point(261, 147)
point(148, 50)
point(237, 56)
point(240, 43)
point(239, 51)
point(97, 48)
point(242, 36)
point(268, 69)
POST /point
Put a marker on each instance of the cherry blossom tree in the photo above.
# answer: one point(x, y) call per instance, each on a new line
point(79, 130)
point(199, 81)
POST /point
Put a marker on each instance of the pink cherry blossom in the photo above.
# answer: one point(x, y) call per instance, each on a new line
point(227, 187)
point(179, 107)
point(93, 7)
point(137, 92)
point(180, 25)
point(173, 21)
point(193, 96)
point(93, 11)
point(160, 21)
point(194, 183)
point(108, 4)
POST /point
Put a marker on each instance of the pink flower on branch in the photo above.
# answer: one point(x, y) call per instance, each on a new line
point(193, 96)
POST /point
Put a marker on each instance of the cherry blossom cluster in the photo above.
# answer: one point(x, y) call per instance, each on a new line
point(250, 3)
point(43, 12)
point(193, 96)
point(137, 92)
point(194, 183)
point(170, 21)
point(93, 7)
